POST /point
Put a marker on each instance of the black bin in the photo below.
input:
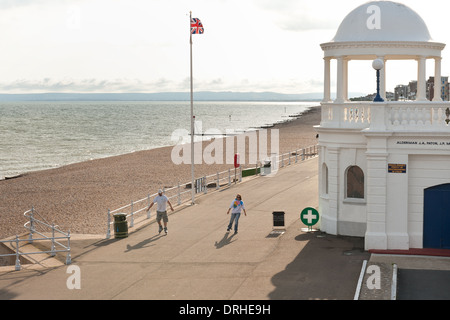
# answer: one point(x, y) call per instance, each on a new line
point(120, 225)
point(278, 218)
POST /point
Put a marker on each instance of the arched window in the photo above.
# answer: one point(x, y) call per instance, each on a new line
point(354, 183)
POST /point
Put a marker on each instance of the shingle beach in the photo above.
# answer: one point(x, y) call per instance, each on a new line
point(77, 197)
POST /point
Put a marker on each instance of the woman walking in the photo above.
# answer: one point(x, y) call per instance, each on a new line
point(236, 207)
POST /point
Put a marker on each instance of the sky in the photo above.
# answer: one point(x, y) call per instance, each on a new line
point(143, 45)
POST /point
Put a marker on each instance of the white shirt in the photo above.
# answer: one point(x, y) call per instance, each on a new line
point(161, 202)
point(237, 206)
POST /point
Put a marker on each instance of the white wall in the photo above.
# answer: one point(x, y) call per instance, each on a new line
point(424, 171)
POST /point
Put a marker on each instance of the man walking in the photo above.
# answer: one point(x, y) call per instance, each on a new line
point(236, 206)
point(161, 209)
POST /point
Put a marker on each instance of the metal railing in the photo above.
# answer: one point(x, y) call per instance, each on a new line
point(182, 192)
point(41, 228)
point(297, 155)
point(177, 195)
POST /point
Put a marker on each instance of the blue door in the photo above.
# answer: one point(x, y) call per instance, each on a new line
point(436, 224)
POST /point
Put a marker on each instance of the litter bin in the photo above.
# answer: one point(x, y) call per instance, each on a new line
point(278, 218)
point(120, 225)
point(266, 169)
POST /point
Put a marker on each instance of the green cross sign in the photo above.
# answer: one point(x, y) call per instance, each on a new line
point(309, 216)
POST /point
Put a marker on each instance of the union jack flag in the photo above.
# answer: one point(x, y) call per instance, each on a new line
point(196, 26)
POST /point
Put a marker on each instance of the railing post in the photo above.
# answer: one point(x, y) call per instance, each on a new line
point(68, 257)
point(18, 267)
point(108, 230)
point(30, 238)
point(229, 177)
point(218, 182)
point(132, 216)
point(52, 254)
point(179, 193)
point(303, 154)
point(240, 173)
point(148, 205)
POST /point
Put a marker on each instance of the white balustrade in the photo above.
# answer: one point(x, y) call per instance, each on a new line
point(392, 116)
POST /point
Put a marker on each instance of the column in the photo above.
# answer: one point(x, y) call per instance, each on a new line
point(377, 167)
point(327, 81)
point(397, 205)
point(437, 79)
point(421, 80)
point(345, 79)
point(375, 237)
point(340, 81)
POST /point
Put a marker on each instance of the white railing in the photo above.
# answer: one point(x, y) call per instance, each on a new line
point(296, 156)
point(46, 232)
point(393, 115)
point(177, 195)
point(182, 192)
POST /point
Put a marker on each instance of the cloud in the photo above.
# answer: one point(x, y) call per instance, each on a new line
point(84, 85)
point(8, 4)
point(298, 16)
point(123, 85)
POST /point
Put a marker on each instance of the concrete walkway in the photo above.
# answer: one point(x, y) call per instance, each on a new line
point(199, 260)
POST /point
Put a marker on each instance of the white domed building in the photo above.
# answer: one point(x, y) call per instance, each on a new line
point(385, 166)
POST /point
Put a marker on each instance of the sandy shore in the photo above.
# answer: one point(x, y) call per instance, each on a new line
point(77, 197)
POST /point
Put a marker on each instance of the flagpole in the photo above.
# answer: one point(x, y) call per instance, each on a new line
point(192, 117)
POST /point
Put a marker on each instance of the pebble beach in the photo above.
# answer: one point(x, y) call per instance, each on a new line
point(77, 197)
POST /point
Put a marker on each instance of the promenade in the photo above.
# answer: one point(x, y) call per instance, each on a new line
point(199, 260)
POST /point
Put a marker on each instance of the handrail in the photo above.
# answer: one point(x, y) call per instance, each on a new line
point(32, 226)
point(202, 184)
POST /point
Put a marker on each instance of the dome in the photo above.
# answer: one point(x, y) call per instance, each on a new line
point(382, 21)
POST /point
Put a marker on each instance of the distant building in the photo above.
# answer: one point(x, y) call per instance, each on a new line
point(406, 92)
point(401, 92)
point(412, 90)
point(444, 89)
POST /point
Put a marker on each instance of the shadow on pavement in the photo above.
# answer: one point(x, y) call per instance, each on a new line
point(226, 240)
point(328, 267)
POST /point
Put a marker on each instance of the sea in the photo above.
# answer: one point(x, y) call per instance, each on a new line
point(43, 135)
